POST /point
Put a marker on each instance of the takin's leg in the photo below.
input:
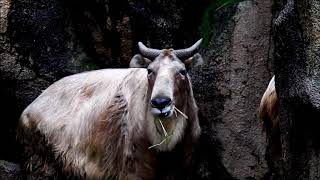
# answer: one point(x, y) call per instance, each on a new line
point(138, 161)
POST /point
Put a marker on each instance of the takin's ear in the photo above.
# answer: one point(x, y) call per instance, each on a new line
point(139, 62)
point(194, 61)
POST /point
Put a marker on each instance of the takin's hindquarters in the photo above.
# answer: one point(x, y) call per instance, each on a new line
point(268, 115)
point(66, 136)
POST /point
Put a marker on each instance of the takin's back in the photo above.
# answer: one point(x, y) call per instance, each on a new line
point(69, 116)
point(268, 110)
point(268, 115)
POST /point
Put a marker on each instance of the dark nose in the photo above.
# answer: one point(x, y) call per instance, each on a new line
point(160, 102)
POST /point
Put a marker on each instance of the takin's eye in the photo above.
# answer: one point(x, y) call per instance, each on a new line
point(183, 72)
point(149, 71)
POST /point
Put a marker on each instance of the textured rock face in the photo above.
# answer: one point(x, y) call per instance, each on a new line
point(232, 83)
point(4, 10)
point(297, 70)
point(48, 39)
point(7, 71)
point(251, 49)
point(10, 171)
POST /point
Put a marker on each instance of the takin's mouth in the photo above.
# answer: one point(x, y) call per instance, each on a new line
point(162, 113)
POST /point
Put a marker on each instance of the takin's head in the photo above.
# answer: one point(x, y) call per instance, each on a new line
point(168, 78)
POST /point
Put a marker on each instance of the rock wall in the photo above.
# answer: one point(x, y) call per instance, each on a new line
point(42, 41)
point(297, 70)
point(10, 171)
point(231, 83)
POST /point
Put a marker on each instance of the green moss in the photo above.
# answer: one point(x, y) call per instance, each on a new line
point(2, 162)
point(207, 19)
point(90, 65)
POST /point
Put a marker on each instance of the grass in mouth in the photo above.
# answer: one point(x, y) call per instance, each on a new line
point(166, 136)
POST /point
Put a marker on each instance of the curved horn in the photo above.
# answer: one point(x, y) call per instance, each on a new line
point(148, 52)
point(185, 53)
